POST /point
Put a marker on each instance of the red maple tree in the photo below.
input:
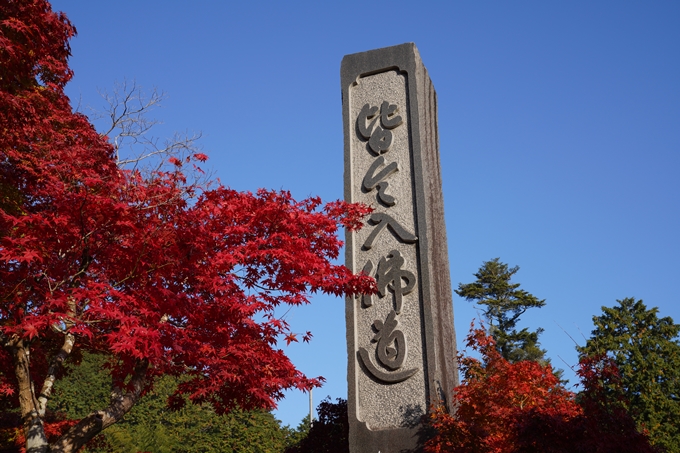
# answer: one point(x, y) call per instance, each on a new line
point(163, 276)
point(504, 407)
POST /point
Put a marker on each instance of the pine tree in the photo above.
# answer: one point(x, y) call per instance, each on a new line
point(503, 304)
point(646, 350)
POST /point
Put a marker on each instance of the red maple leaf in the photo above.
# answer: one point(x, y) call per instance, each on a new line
point(290, 338)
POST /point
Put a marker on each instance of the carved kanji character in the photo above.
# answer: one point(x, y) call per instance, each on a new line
point(378, 134)
point(373, 180)
point(382, 221)
point(391, 351)
point(390, 275)
point(387, 335)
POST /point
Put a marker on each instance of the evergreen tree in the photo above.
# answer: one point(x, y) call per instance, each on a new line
point(297, 435)
point(646, 350)
point(152, 426)
point(503, 303)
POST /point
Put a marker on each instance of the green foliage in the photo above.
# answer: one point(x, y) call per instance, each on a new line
point(503, 304)
point(297, 435)
point(151, 426)
point(86, 385)
point(646, 351)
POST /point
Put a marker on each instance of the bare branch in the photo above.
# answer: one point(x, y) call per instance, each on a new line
point(128, 125)
point(127, 110)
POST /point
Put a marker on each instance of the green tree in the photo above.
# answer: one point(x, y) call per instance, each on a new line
point(297, 435)
point(503, 303)
point(152, 426)
point(646, 350)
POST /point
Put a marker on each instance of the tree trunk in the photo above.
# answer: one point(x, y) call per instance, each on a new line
point(34, 430)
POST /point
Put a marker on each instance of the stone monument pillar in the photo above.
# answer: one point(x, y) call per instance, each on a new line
point(401, 341)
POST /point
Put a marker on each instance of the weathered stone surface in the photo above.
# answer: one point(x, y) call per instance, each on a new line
point(401, 342)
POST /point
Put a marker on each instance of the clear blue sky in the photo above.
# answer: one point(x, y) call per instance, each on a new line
point(559, 128)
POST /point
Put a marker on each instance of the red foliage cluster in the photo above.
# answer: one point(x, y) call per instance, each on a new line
point(145, 267)
point(504, 407)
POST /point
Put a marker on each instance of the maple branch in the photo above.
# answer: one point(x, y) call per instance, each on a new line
point(85, 260)
point(97, 421)
point(171, 147)
point(249, 282)
point(133, 274)
point(15, 289)
point(187, 191)
point(55, 366)
point(133, 271)
point(59, 357)
point(263, 288)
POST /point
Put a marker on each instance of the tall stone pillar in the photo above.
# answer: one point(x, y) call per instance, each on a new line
point(401, 341)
